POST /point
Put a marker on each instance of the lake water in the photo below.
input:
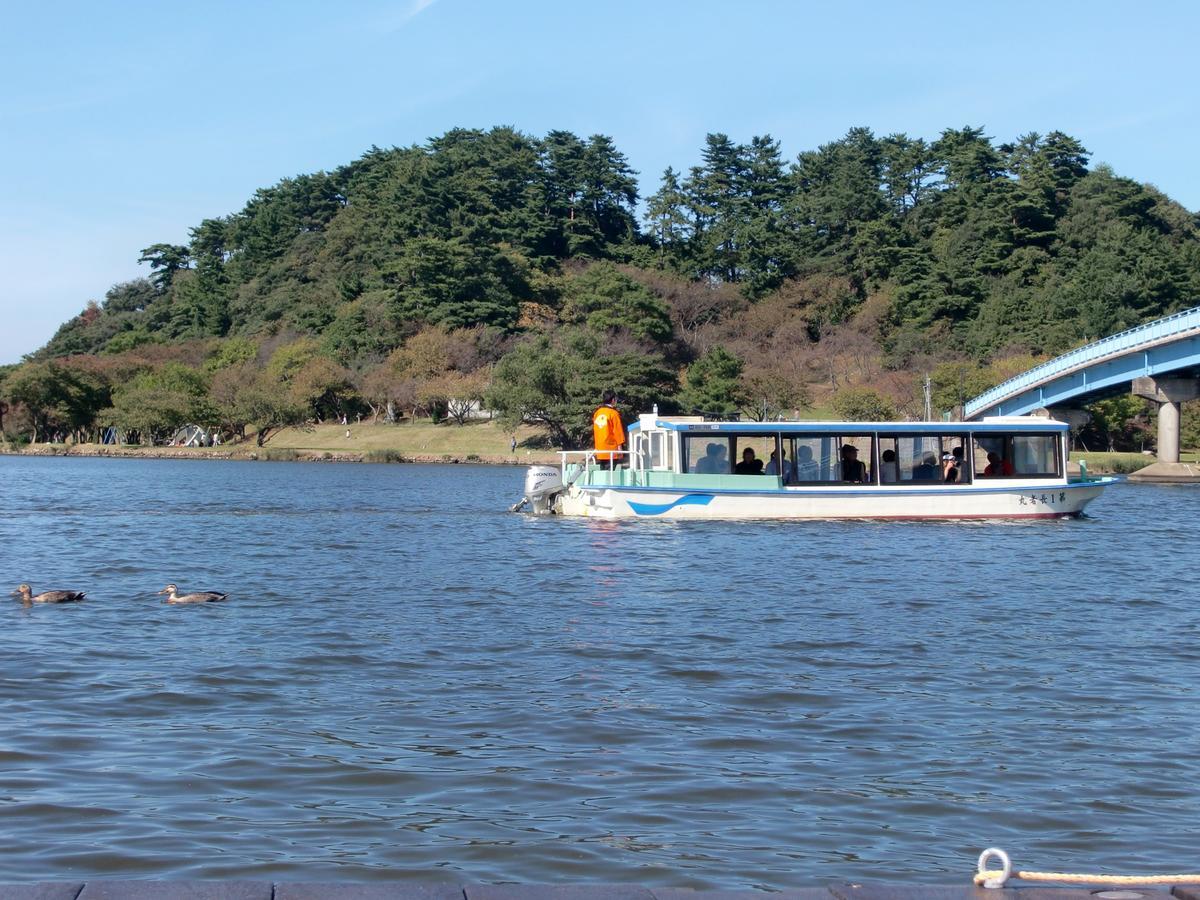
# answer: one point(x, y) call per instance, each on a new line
point(410, 682)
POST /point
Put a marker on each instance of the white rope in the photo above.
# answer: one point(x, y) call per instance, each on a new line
point(991, 878)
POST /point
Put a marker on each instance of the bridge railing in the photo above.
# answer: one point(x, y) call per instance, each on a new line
point(1124, 341)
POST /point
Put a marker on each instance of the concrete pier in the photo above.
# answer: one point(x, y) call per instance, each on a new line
point(1168, 393)
point(265, 890)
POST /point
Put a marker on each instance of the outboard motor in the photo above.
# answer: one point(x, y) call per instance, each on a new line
point(542, 484)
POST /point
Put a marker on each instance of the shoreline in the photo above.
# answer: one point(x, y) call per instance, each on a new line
point(303, 454)
point(279, 454)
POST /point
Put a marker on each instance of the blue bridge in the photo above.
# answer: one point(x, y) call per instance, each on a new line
point(1159, 360)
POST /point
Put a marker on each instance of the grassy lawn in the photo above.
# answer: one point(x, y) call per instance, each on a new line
point(485, 440)
point(423, 441)
point(1123, 463)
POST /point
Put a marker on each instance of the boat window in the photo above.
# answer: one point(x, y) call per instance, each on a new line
point(818, 459)
point(707, 454)
point(855, 463)
point(919, 458)
point(657, 451)
point(814, 459)
point(752, 453)
point(1017, 455)
point(955, 445)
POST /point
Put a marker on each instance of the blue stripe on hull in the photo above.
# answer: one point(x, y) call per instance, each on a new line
point(657, 509)
point(905, 491)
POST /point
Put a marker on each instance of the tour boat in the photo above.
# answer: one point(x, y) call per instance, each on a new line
point(1012, 467)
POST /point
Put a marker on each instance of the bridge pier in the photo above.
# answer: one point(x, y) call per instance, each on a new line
point(1168, 393)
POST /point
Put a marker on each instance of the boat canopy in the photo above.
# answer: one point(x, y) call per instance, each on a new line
point(651, 422)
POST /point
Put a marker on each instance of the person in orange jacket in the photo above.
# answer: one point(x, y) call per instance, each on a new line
point(607, 431)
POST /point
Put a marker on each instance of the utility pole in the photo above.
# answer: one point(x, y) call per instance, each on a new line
point(928, 399)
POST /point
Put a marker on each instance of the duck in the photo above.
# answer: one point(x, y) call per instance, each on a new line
point(25, 592)
point(195, 597)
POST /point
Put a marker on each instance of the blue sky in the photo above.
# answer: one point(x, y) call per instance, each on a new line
point(124, 124)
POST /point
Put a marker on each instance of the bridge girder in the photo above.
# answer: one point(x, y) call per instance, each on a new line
point(1179, 357)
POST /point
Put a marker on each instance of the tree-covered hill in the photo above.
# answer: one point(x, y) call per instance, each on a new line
point(524, 269)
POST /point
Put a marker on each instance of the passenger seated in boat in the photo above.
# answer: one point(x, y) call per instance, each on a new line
point(997, 466)
point(749, 465)
point(713, 462)
point(773, 467)
point(949, 469)
point(889, 470)
point(927, 470)
point(852, 467)
point(806, 468)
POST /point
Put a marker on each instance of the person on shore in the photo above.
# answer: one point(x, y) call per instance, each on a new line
point(608, 434)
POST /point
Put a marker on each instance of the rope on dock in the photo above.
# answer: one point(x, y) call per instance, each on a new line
point(992, 878)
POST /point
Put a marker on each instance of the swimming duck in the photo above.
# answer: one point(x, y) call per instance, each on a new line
point(195, 597)
point(25, 592)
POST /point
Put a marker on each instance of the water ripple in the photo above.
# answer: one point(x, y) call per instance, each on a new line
point(408, 682)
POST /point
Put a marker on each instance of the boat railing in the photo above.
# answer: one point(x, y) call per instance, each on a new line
point(588, 461)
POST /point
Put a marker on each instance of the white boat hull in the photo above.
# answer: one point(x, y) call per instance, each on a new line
point(1032, 500)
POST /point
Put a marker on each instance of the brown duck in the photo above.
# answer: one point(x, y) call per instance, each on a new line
point(25, 592)
point(196, 597)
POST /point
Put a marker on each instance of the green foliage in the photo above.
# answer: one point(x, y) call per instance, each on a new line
point(863, 405)
point(291, 358)
point(165, 261)
point(231, 352)
point(1118, 423)
point(124, 341)
point(954, 383)
point(559, 383)
point(602, 298)
point(671, 227)
point(323, 388)
point(591, 192)
point(768, 393)
point(129, 296)
point(838, 192)
point(155, 403)
point(268, 404)
point(712, 385)
point(243, 396)
point(449, 282)
point(54, 397)
point(1189, 425)
point(5, 403)
point(363, 329)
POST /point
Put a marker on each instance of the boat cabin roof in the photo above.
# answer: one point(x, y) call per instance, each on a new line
point(695, 424)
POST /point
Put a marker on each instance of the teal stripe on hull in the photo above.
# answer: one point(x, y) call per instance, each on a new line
point(657, 509)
